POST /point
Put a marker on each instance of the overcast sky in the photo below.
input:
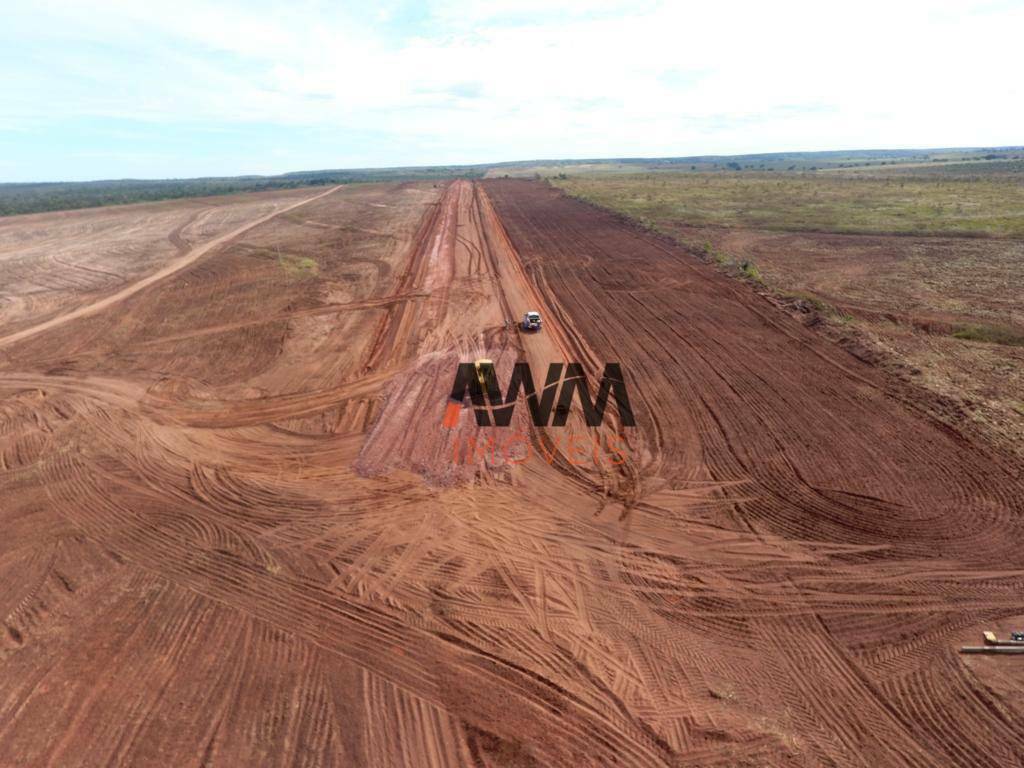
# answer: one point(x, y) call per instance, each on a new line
point(110, 89)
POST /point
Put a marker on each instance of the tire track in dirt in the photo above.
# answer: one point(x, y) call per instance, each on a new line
point(202, 572)
point(813, 451)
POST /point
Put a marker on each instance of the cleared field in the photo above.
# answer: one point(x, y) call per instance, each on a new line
point(53, 263)
point(944, 311)
point(948, 311)
point(234, 532)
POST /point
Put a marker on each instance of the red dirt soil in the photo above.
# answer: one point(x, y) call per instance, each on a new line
point(234, 533)
point(902, 298)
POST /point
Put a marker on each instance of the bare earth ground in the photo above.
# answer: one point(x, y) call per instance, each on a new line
point(234, 533)
point(907, 296)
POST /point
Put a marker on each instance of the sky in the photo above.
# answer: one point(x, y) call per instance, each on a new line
point(126, 89)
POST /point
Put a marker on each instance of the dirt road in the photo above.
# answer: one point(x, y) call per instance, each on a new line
point(238, 533)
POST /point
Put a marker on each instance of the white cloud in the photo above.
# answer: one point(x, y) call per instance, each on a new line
point(505, 80)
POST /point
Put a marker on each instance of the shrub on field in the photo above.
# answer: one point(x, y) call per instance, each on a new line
point(751, 272)
point(990, 334)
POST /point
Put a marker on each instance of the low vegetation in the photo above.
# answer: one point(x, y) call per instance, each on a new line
point(750, 271)
point(1005, 164)
point(990, 334)
point(298, 267)
point(811, 202)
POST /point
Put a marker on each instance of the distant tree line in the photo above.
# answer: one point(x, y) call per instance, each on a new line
point(53, 196)
point(56, 196)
